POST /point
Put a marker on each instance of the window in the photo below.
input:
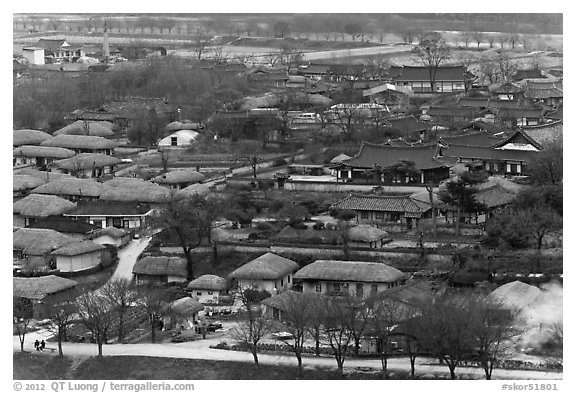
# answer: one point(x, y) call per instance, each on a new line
point(374, 289)
point(210, 292)
point(359, 290)
point(288, 279)
point(380, 216)
point(318, 287)
point(336, 287)
point(281, 282)
point(117, 222)
point(174, 141)
point(198, 293)
point(364, 215)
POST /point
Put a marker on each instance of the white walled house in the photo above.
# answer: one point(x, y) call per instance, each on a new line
point(78, 256)
point(104, 214)
point(360, 279)
point(34, 55)
point(207, 288)
point(160, 269)
point(179, 139)
point(111, 235)
point(269, 272)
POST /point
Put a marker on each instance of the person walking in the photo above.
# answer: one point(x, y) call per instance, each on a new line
point(37, 345)
point(42, 345)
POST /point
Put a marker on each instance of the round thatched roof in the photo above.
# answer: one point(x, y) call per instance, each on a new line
point(43, 151)
point(38, 287)
point(516, 294)
point(161, 266)
point(208, 281)
point(72, 186)
point(332, 270)
point(25, 182)
point(367, 233)
point(135, 191)
point(78, 248)
point(185, 307)
point(81, 127)
point(179, 176)
point(29, 137)
point(193, 189)
point(86, 161)
point(79, 142)
point(45, 176)
point(35, 205)
point(182, 125)
point(266, 267)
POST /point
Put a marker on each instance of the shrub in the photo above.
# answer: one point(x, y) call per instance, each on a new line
point(264, 226)
point(299, 225)
point(279, 162)
point(318, 225)
point(253, 236)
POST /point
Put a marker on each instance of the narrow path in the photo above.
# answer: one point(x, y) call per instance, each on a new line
point(200, 350)
point(128, 256)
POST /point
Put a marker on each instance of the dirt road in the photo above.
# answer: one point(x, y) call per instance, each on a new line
point(200, 350)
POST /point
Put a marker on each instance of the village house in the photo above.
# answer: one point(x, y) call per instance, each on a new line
point(90, 128)
point(181, 314)
point(492, 160)
point(276, 305)
point(314, 71)
point(23, 184)
point(507, 91)
point(160, 269)
point(72, 188)
point(110, 235)
point(34, 55)
point(375, 237)
point(82, 144)
point(543, 92)
point(372, 161)
point(382, 209)
point(451, 116)
point(481, 138)
point(449, 79)
point(519, 116)
point(263, 77)
point(178, 179)
point(103, 214)
point(339, 278)
point(76, 229)
point(55, 49)
point(86, 165)
point(408, 128)
point(32, 247)
point(34, 207)
point(44, 290)
point(207, 288)
point(181, 138)
point(124, 113)
point(29, 137)
point(269, 272)
point(39, 156)
point(80, 256)
point(519, 140)
point(126, 189)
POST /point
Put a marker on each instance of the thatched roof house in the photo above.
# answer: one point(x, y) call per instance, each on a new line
point(65, 225)
point(266, 267)
point(516, 294)
point(85, 161)
point(25, 182)
point(81, 127)
point(81, 143)
point(340, 158)
point(162, 268)
point(37, 288)
point(185, 307)
point(36, 205)
point(209, 282)
point(45, 176)
point(331, 270)
point(42, 151)
point(367, 234)
point(125, 190)
point(78, 248)
point(72, 186)
point(29, 137)
point(192, 190)
point(39, 241)
point(179, 177)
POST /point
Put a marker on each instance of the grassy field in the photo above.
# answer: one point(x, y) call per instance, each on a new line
point(32, 366)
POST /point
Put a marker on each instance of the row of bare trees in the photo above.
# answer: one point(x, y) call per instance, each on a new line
point(102, 312)
point(451, 327)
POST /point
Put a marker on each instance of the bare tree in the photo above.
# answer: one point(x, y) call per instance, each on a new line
point(21, 317)
point(492, 330)
point(466, 37)
point(254, 325)
point(155, 302)
point(61, 313)
point(490, 38)
point(97, 315)
point(385, 315)
point(164, 158)
point(505, 66)
point(446, 330)
point(478, 37)
point(119, 294)
point(430, 189)
point(432, 52)
point(502, 39)
point(336, 330)
point(514, 38)
point(297, 310)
